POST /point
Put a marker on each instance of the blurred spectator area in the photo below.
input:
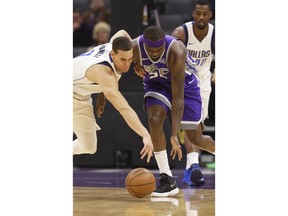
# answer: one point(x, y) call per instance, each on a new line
point(83, 5)
point(86, 14)
point(170, 13)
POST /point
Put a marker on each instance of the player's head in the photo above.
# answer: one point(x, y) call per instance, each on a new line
point(154, 41)
point(122, 53)
point(202, 13)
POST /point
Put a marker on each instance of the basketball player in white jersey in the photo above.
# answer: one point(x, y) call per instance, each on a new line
point(98, 71)
point(199, 38)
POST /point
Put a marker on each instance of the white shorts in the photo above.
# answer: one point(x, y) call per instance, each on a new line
point(83, 115)
point(205, 91)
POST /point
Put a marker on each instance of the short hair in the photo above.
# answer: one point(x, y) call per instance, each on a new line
point(203, 2)
point(153, 33)
point(121, 43)
point(101, 26)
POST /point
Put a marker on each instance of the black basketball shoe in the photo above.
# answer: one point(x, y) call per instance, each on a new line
point(167, 186)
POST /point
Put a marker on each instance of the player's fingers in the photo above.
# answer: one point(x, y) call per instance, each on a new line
point(143, 155)
point(144, 152)
point(98, 113)
point(173, 154)
point(180, 155)
point(150, 154)
point(149, 157)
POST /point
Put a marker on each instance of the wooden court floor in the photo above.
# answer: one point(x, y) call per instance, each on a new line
point(103, 192)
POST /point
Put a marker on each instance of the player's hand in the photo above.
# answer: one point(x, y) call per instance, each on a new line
point(100, 104)
point(176, 148)
point(139, 70)
point(147, 149)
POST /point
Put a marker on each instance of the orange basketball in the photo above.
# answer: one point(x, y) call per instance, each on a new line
point(140, 182)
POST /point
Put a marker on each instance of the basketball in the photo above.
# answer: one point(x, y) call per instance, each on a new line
point(140, 182)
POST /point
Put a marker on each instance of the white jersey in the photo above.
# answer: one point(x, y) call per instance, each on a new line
point(201, 52)
point(98, 55)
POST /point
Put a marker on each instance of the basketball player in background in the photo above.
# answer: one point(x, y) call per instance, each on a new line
point(98, 71)
point(160, 59)
point(199, 38)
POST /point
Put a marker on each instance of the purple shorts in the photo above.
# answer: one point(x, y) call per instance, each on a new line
point(192, 115)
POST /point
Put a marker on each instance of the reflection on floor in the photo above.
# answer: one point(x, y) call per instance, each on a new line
point(102, 192)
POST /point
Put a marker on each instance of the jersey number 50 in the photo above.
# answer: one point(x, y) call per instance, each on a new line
point(161, 72)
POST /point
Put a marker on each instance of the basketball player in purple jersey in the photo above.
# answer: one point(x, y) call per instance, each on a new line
point(199, 38)
point(160, 60)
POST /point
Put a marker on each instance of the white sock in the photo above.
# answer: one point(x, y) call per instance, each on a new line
point(162, 162)
point(192, 157)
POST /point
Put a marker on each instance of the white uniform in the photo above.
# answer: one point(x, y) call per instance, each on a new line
point(84, 122)
point(202, 54)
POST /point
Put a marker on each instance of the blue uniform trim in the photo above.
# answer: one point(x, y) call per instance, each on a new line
point(106, 64)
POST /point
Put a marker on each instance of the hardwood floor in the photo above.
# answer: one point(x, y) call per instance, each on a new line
point(91, 201)
point(103, 192)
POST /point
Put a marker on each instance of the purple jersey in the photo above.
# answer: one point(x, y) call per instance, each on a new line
point(157, 85)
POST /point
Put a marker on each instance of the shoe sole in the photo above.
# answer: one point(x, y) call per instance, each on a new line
point(196, 175)
point(170, 193)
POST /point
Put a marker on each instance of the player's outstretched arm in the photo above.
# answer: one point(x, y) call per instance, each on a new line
point(108, 82)
point(176, 64)
point(131, 118)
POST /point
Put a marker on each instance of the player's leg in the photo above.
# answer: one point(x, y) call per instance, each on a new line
point(204, 142)
point(191, 124)
point(157, 112)
point(193, 169)
point(193, 173)
point(208, 143)
point(84, 126)
point(86, 142)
